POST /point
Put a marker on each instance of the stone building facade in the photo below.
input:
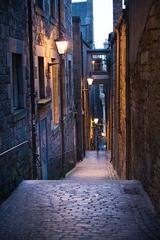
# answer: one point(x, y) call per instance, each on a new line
point(77, 71)
point(144, 83)
point(84, 10)
point(119, 129)
point(15, 124)
point(46, 31)
point(82, 13)
point(30, 92)
point(137, 91)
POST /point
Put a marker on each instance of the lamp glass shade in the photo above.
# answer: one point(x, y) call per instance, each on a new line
point(96, 120)
point(61, 46)
point(90, 80)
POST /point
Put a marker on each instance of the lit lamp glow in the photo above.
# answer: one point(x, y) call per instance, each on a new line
point(96, 120)
point(62, 45)
point(90, 80)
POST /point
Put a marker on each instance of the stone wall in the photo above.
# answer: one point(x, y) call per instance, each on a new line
point(15, 164)
point(77, 74)
point(46, 31)
point(122, 99)
point(117, 11)
point(84, 10)
point(15, 124)
point(145, 111)
point(119, 101)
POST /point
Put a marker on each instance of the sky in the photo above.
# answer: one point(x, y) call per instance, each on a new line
point(103, 20)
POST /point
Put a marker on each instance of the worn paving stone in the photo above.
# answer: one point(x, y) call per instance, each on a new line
point(79, 209)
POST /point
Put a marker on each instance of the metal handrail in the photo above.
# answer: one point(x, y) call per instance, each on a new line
point(20, 145)
point(15, 147)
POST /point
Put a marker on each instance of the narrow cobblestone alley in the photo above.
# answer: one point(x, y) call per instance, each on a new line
point(87, 204)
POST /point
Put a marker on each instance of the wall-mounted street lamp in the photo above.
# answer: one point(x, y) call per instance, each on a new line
point(90, 80)
point(62, 45)
point(96, 139)
point(103, 134)
point(96, 120)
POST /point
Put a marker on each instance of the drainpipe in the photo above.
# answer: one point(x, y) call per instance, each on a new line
point(32, 87)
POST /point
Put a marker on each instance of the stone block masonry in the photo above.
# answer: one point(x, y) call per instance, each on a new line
point(145, 110)
point(117, 11)
point(15, 127)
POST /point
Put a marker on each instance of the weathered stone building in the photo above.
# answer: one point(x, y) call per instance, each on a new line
point(136, 101)
point(119, 98)
point(33, 124)
point(46, 24)
point(15, 124)
point(82, 13)
point(77, 71)
point(84, 10)
point(144, 161)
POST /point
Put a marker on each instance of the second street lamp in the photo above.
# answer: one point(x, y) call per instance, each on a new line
point(62, 45)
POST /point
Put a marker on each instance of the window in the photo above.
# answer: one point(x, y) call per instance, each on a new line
point(17, 81)
point(55, 93)
point(40, 4)
point(97, 65)
point(100, 63)
point(41, 77)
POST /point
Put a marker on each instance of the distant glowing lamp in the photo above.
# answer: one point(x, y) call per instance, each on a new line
point(90, 80)
point(96, 120)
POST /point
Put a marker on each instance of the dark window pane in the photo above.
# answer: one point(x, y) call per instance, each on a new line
point(41, 77)
point(17, 81)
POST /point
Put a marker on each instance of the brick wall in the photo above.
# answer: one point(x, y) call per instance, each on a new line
point(145, 110)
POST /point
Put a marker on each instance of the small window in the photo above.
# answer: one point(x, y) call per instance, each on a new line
point(98, 65)
point(39, 3)
point(41, 77)
point(17, 81)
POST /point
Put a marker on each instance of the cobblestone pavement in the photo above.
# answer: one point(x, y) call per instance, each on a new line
point(94, 167)
point(79, 208)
